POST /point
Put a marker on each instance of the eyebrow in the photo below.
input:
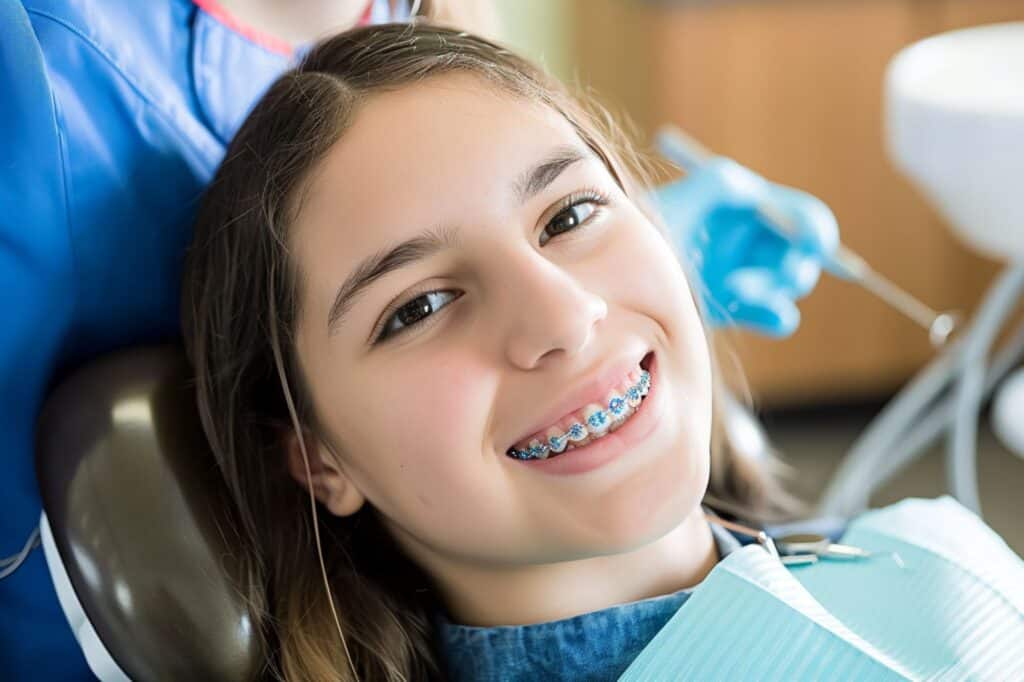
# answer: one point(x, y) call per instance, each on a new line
point(434, 240)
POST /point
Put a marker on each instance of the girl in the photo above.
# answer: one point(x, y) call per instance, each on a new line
point(100, 99)
point(452, 372)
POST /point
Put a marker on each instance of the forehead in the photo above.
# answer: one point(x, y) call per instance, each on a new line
point(428, 152)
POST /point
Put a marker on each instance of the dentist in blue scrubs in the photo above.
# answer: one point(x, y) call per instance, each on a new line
point(115, 116)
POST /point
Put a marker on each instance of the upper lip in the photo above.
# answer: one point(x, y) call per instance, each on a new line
point(591, 390)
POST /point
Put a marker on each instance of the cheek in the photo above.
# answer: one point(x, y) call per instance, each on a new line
point(431, 474)
point(657, 282)
point(435, 404)
point(659, 288)
point(433, 420)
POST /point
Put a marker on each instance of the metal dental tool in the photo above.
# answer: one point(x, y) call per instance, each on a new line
point(808, 548)
point(795, 549)
point(688, 153)
point(761, 536)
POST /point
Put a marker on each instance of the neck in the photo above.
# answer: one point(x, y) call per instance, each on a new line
point(293, 22)
point(521, 595)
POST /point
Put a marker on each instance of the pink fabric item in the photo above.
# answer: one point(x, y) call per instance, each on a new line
point(281, 47)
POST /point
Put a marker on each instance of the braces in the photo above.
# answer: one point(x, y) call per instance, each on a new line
point(616, 408)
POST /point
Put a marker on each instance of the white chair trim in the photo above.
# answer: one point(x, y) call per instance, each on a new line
point(99, 659)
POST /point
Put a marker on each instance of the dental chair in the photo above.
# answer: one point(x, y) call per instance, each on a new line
point(137, 524)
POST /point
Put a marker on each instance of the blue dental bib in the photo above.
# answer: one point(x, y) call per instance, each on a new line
point(941, 598)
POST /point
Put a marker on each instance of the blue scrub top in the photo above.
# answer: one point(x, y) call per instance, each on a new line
point(94, 222)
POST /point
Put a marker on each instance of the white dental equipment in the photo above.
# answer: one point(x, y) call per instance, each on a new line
point(955, 127)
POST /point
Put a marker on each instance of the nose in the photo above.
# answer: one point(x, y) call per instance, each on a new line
point(547, 310)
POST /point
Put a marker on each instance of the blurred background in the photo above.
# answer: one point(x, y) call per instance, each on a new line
point(793, 89)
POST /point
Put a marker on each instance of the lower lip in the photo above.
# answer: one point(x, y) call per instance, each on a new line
point(606, 449)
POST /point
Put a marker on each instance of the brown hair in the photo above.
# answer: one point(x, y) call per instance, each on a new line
point(240, 306)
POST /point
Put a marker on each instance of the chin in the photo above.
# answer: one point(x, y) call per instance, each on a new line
point(655, 501)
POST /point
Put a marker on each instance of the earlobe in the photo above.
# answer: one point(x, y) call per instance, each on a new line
point(330, 485)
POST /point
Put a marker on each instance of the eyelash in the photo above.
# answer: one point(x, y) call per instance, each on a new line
point(585, 196)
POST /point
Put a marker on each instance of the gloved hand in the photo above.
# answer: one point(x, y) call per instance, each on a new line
point(749, 274)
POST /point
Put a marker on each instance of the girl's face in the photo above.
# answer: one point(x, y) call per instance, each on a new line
point(526, 306)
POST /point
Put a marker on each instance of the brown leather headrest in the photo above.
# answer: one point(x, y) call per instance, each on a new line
point(137, 508)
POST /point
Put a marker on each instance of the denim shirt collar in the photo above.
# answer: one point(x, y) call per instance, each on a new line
point(598, 645)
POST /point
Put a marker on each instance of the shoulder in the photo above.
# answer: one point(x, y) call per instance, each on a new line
point(100, 21)
point(109, 59)
point(108, 28)
point(27, 115)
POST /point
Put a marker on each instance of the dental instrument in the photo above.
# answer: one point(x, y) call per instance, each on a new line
point(760, 536)
point(808, 548)
point(682, 149)
point(793, 549)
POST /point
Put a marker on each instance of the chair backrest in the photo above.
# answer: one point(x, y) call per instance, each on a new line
point(140, 520)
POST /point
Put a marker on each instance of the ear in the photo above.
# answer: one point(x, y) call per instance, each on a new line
point(331, 486)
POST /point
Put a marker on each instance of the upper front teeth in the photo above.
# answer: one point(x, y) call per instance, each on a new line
point(598, 421)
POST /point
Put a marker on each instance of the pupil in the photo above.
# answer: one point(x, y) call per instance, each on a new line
point(567, 220)
point(414, 311)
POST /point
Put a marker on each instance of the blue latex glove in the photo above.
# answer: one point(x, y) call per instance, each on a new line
point(751, 275)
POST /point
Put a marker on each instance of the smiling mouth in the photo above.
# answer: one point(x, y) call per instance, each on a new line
point(591, 423)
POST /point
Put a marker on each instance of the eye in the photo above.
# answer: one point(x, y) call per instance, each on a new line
point(576, 210)
point(414, 311)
